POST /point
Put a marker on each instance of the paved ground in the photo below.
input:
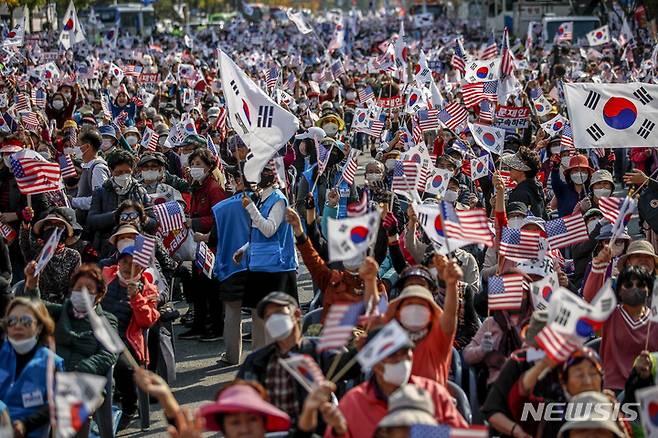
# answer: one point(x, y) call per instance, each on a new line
point(199, 376)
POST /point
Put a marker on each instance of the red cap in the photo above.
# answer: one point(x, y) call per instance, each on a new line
point(11, 145)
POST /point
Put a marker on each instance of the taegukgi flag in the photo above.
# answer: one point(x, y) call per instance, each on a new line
point(350, 237)
point(613, 115)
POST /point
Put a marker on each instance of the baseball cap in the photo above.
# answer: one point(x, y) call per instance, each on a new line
point(280, 298)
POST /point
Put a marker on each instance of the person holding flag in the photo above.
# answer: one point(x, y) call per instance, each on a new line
point(523, 167)
point(24, 356)
point(577, 176)
point(94, 170)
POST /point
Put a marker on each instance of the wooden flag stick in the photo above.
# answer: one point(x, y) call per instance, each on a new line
point(343, 370)
point(334, 364)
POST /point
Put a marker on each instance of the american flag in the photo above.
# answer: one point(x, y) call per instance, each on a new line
point(22, 103)
point(290, 82)
point(322, 155)
point(445, 431)
point(338, 325)
point(417, 131)
point(271, 77)
point(211, 147)
point(39, 97)
point(566, 231)
point(558, 346)
point(351, 166)
point(478, 91)
point(469, 225)
point(119, 121)
point(519, 245)
point(453, 116)
point(326, 76)
point(374, 128)
point(486, 112)
point(405, 174)
point(132, 70)
point(428, 119)
point(8, 233)
point(566, 138)
point(491, 49)
point(34, 174)
point(618, 211)
point(144, 250)
point(355, 209)
point(507, 59)
point(337, 69)
point(205, 259)
point(105, 106)
point(30, 121)
point(610, 207)
point(506, 292)
point(458, 61)
point(426, 170)
point(150, 139)
point(365, 94)
point(66, 166)
point(221, 123)
point(170, 216)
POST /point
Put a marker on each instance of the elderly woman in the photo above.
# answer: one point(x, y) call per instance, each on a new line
point(74, 336)
point(24, 365)
point(54, 280)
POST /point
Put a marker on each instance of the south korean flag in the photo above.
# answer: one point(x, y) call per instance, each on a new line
point(482, 70)
point(352, 236)
point(554, 126)
point(613, 115)
point(416, 101)
point(598, 36)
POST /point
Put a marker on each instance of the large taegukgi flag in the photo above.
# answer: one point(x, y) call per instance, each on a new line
point(613, 115)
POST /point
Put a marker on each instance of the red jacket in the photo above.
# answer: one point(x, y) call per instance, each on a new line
point(145, 312)
point(204, 197)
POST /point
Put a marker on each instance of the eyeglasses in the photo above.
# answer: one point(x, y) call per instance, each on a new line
point(128, 216)
point(24, 320)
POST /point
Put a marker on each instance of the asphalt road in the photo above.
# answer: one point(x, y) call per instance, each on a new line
point(198, 375)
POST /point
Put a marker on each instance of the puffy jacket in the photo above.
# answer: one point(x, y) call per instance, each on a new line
point(144, 312)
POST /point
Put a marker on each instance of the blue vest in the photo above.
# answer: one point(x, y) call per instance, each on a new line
point(276, 253)
point(28, 392)
point(233, 227)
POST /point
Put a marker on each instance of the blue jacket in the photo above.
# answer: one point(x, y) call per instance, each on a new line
point(276, 253)
point(233, 228)
point(567, 196)
point(28, 392)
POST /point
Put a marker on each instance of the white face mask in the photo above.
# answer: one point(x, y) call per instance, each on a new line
point(330, 129)
point(579, 177)
point(279, 326)
point(7, 160)
point(122, 180)
point(374, 177)
point(602, 193)
point(515, 223)
point(23, 346)
point(45, 154)
point(78, 301)
point(459, 163)
point(58, 104)
point(197, 173)
point(397, 373)
point(77, 152)
point(131, 140)
point(123, 280)
point(107, 144)
point(555, 150)
point(414, 317)
point(390, 164)
point(591, 225)
point(450, 196)
point(184, 158)
point(354, 263)
point(564, 161)
point(150, 175)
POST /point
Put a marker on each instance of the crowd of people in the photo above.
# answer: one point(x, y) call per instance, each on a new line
point(154, 203)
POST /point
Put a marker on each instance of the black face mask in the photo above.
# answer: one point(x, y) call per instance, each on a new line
point(633, 296)
point(266, 181)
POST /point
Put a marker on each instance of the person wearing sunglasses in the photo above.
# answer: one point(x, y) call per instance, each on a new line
point(24, 365)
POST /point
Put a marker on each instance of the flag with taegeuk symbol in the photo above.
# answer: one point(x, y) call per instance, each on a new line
point(387, 341)
point(506, 292)
point(150, 139)
point(303, 369)
point(352, 236)
point(48, 250)
point(339, 325)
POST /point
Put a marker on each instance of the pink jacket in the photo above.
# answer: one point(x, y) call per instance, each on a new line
point(473, 353)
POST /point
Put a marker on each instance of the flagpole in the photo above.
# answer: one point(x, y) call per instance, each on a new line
point(343, 370)
point(315, 183)
point(444, 233)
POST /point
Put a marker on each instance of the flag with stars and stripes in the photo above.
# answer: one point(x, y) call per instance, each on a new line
point(271, 77)
point(170, 216)
point(506, 292)
point(351, 166)
point(34, 174)
point(519, 245)
point(453, 116)
point(290, 82)
point(405, 174)
point(428, 119)
point(458, 61)
point(39, 97)
point(618, 211)
point(211, 147)
point(558, 346)
point(119, 121)
point(467, 225)
point(205, 259)
point(476, 92)
point(22, 103)
point(486, 114)
point(322, 155)
point(445, 431)
point(491, 49)
point(338, 325)
point(66, 166)
point(144, 250)
point(337, 69)
point(566, 138)
point(31, 122)
point(150, 139)
point(566, 231)
point(365, 94)
point(507, 58)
